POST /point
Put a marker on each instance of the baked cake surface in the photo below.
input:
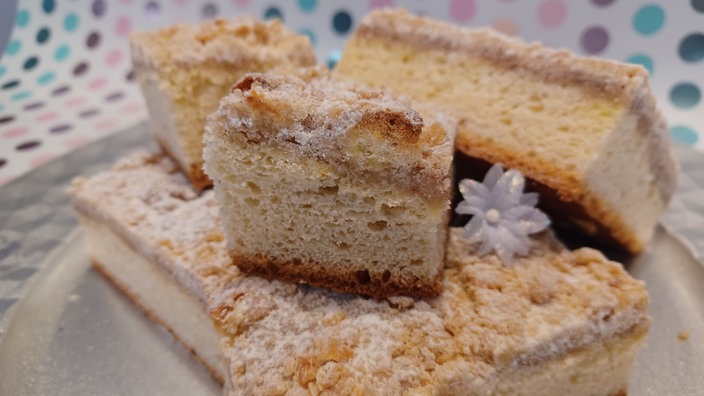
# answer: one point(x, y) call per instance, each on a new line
point(555, 322)
point(184, 70)
point(587, 130)
point(159, 241)
point(326, 182)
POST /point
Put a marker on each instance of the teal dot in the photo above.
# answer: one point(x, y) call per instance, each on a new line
point(685, 95)
point(22, 18)
point(21, 96)
point(333, 58)
point(14, 47)
point(62, 52)
point(3, 69)
point(307, 5)
point(643, 60)
point(684, 135)
point(273, 13)
point(310, 34)
point(649, 19)
point(71, 22)
point(46, 78)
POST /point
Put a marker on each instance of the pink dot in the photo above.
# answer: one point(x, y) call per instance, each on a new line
point(180, 2)
point(15, 132)
point(552, 13)
point(5, 179)
point(114, 57)
point(74, 102)
point(133, 108)
point(41, 160)
point(98, 83)
point(123, 26)
point(462, 10)
point(241, 3)
point(77, 141)
point(47, 117)
point(106, 125)
point(380, 3)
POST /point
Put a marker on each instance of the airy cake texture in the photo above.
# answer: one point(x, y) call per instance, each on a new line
point(555, 322)
point(329, 183)
point(159, 241)
point(586, 130)
point(184, 70)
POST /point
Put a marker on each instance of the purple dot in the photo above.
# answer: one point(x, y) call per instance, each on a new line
point(209, 11)
point(130, 76)
point(34, 105)
point(60, 128)
point(80, 69)
point(6, 119)
point(115, 96)
point(88, 113)
point(602, 3)
point(98, 8)
point(93, 40)
point(28, 145)
point(60, 90)
point(3, 161)
point(595, 39)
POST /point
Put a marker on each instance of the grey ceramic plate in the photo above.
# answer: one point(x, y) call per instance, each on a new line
point(67, 331)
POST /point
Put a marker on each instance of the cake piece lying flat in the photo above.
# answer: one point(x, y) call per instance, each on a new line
point(555, 322)
point(184, 71)
point(332, 184)
point(587, 130)
point(158, 241)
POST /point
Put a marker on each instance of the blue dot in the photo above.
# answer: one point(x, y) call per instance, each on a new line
point(342, 22)
point(310, 34)
point(272, 13)
point(698, 5)
point(48, 6)
point(685, 95)
point(21, 96)
point(30, 63)
point(46, 78)
point(307, 5)
point(643, 60)
point(22, 18)
point(43, 35)
point(649, 19)
point(62, 52)
point(13, 47)
point(71, 22)
point(333, 58)
point(692, 48)
point(684, 134)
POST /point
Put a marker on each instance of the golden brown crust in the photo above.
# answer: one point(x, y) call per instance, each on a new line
point(124, 289)
point(194, 172)
point(360, 282)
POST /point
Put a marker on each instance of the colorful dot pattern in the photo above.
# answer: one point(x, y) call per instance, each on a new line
point(66, 78)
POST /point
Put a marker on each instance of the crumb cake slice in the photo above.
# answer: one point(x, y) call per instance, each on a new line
point(586, 130)
point(184, 71)
point(326, 182)
point(553, 323)
point(158, 241)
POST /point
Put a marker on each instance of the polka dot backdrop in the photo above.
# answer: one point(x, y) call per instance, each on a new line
point(66, 80)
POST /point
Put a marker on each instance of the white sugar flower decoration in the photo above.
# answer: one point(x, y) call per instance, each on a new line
point(502, 215)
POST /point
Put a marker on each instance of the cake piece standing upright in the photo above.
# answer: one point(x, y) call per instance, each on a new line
point(185, 70)
point(586, 130)
point(325, 182)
